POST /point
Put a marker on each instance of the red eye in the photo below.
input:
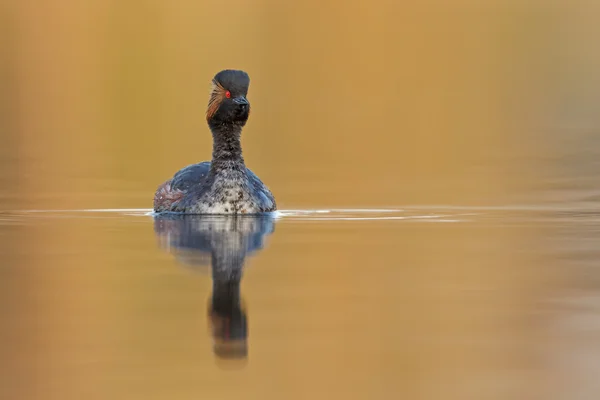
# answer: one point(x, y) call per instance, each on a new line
point(228, 94)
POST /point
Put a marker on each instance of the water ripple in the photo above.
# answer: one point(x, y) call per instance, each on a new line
point(348, 214)
point(508, 214)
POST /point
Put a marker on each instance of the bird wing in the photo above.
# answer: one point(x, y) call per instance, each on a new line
point(192, 175)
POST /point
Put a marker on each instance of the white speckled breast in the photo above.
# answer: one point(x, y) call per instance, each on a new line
point(231, 194)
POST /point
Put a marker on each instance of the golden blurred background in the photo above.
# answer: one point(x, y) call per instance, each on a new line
point(360, 104)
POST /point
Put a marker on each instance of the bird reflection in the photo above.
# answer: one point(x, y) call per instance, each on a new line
point(223, 242)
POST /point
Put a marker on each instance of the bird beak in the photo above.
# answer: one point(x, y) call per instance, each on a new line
point(241, 100)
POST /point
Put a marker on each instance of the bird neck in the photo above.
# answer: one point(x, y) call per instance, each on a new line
point(227, 147)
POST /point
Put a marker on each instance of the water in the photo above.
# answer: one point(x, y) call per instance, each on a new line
point(429, 302)
point(436, 168)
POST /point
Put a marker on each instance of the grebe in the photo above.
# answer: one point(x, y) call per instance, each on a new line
point(223, 185)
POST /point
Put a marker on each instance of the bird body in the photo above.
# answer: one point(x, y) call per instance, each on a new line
point(223, 185)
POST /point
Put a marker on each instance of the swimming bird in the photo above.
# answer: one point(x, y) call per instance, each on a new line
point(224, 185)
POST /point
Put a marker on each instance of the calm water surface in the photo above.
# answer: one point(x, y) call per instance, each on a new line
point(423, 302)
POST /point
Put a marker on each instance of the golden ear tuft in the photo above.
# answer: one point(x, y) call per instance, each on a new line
point(216, 97)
